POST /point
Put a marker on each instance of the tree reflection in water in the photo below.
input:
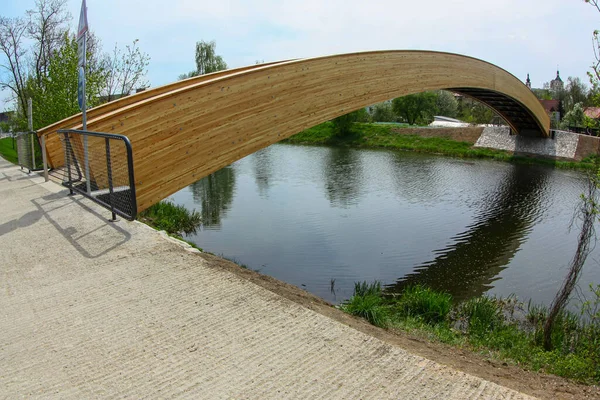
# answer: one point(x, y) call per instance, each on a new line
point(343, 176)
point(215, 194)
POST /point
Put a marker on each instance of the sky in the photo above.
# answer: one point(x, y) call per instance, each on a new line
point(521, 36)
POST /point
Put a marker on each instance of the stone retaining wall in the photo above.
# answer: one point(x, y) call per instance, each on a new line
point(468, 134)
point(562, 146)
point(587, 146)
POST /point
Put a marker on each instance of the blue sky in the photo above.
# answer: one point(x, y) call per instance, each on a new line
point(532, 36)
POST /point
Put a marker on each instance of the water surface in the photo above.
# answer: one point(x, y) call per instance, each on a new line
point(323, 218)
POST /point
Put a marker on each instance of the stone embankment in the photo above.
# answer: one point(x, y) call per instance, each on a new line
point(562, 145)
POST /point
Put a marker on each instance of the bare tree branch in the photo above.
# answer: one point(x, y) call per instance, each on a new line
point(47, 25)
point(12, 34)
point(125, 70)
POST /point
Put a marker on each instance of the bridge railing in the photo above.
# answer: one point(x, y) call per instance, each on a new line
point(29, 154)
point(584, 130)
point(99, 166)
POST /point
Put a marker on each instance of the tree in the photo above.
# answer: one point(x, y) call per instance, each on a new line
point(125, 70)
point(47, 70)
point(12, 35)
point(207, 60)
point(594, 75)
point(474, 111)
point(47, 26)
point(575, 92)
point(343, 123)
point(575, 117)
point(383, 112)
point(56, 97)
point(415, 108)
point(587, 212)
point(446, 104)
point(542, 94)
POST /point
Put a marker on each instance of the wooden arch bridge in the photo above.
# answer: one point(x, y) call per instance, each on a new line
point(186, 130)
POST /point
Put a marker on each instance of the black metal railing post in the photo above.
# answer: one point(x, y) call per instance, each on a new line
point(110, 181)
point(68, 162)
point(129, 151)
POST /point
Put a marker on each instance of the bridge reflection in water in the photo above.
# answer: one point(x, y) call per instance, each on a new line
point(468, 267)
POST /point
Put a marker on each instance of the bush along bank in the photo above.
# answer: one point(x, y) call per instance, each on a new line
point(174, 219)
point(369, 135)
point(499, 327)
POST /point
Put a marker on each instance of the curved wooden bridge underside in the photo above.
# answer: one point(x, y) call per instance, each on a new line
point(189, 129)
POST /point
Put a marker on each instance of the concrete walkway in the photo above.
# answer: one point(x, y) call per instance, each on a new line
point(93, 309)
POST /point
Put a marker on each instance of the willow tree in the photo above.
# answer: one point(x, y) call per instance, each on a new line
point(207, 60)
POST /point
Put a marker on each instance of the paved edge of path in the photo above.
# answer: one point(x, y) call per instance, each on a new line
point(92, 308)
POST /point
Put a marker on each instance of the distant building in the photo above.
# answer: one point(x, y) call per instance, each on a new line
point(556, 84)
point(592, 112)
point(448, 122)
point(552, 108)
point(548, 97)
point(5, 116)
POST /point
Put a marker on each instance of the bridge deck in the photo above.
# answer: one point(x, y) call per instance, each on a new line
point(98, 309)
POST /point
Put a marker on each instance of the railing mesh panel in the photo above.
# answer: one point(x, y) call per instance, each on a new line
point(28, 143)
point(103, 173)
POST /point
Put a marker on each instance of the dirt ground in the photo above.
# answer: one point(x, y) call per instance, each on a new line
point(532, 383)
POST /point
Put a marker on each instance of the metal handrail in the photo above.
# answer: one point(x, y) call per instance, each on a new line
point(70, 157)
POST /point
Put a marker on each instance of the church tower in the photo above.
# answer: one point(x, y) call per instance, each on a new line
point(556, 84)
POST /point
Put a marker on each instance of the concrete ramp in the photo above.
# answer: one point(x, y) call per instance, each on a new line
point(94, 309)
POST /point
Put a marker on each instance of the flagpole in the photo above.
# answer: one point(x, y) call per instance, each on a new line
point(82, 44)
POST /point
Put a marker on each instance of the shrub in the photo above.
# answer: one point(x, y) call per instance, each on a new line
point(369, 307)
point(366, 289)
point(419, 301)
point(482, 315)
point(368, 303)
point(174, 219)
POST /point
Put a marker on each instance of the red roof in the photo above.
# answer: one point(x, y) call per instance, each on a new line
point(592, 112)
point(550, 105)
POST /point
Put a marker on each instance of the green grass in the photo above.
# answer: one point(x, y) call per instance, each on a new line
point(422, 302)
point(368, 303)
point(488, 325)
point(176, 220)
point(383, 136)
point(7, 151)
point(235, 261)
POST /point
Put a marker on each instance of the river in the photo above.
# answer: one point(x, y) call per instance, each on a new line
point(322, 218)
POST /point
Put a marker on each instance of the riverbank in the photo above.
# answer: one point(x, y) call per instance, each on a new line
point(370, 135)
point(499, 331)
point(503, 328)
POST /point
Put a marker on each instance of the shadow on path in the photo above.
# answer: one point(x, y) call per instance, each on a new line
point(92, 235)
